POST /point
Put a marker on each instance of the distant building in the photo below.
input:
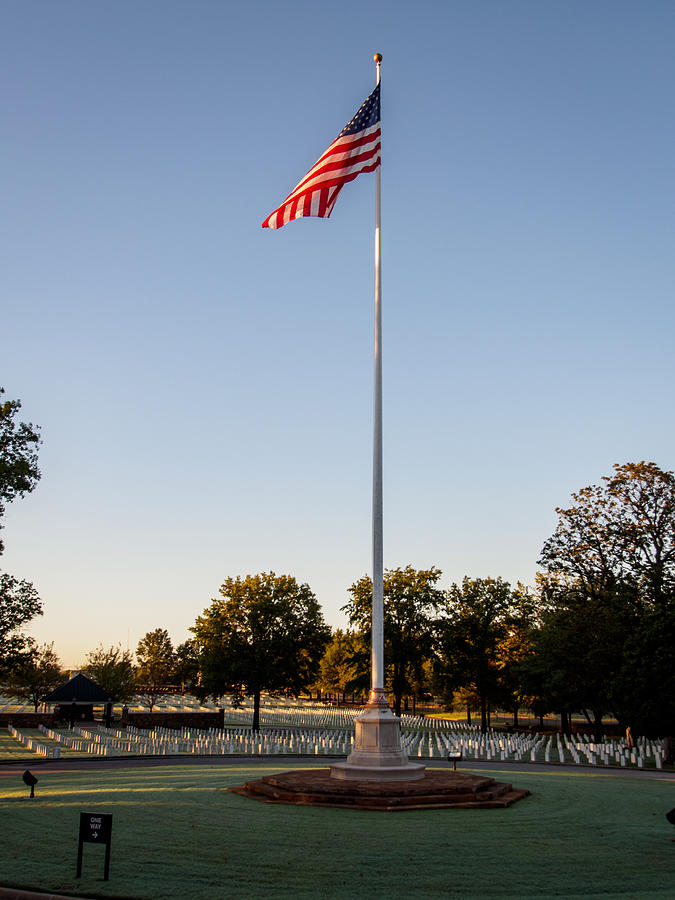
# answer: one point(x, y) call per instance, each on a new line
point(75, 700)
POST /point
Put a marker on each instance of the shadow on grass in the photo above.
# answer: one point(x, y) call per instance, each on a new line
point(177, 833)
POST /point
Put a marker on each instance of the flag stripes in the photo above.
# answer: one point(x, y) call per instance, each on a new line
point(355, 150)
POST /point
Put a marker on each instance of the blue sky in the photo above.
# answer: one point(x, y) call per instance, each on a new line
point(204, 387)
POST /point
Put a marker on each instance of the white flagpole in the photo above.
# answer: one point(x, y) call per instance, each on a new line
point(377, 755)
point(377, 695)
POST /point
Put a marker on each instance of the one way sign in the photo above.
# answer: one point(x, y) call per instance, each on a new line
point(95, 828)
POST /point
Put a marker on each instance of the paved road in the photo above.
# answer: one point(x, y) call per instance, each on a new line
point(16, 894)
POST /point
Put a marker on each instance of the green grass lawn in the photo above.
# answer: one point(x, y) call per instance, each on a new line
point(177, 833)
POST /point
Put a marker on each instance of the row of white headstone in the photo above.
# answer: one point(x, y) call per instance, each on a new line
point(318, 716)
point(319, 736)
point(75, 739)
point(241, 740)
point(434, 738)
point(35, 746)
point(235, 740)
point(582, 750)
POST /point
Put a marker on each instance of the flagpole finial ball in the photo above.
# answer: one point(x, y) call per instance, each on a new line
point(378, 58)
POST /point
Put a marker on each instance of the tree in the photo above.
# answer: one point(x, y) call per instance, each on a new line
point(643, 688)
point(19, 441)
point(619, 534)
point(410, 600)
point(36, 674)
point(646, 498)
point(19, 603)
point(156, 662)
point(266, 633)
point(613, 557)
point(574, 655)
point(186, 663)
point(112, 670)
point(514, 648)
point(466, 698)
point(341, 664)
point(476, 621)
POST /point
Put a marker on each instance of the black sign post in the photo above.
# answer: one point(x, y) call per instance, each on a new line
point(95, 828)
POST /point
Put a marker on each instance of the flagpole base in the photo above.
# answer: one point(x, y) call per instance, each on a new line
point(377, 754)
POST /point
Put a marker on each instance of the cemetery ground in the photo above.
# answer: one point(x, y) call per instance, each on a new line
point(178, 833)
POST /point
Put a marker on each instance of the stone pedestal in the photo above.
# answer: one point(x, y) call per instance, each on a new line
point(377, 754)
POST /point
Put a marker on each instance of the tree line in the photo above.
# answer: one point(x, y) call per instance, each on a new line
point(594, 635)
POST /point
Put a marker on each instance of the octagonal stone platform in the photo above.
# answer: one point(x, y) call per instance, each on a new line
point(438, 789)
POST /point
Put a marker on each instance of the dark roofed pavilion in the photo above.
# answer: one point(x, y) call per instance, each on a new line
point(79, 689)
point(77, 697)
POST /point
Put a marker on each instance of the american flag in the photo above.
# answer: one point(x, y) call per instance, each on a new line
point(356, 149)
